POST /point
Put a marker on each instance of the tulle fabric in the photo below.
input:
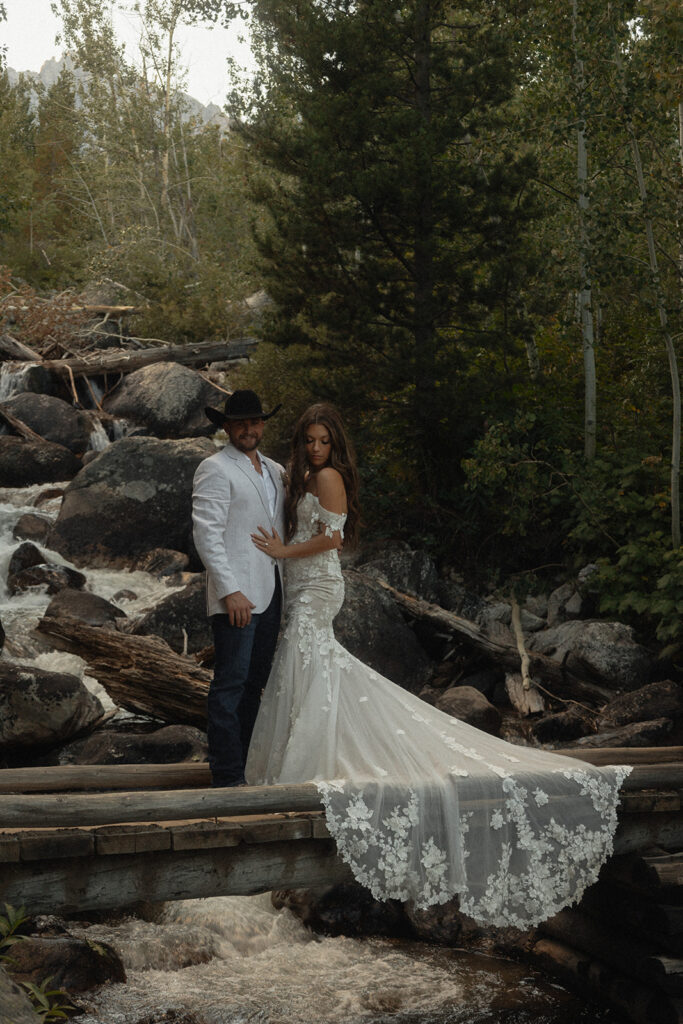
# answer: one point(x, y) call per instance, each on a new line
point(422, 806)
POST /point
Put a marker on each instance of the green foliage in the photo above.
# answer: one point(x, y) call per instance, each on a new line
point(643, 584)
point(10, 925)
point(48, 1003)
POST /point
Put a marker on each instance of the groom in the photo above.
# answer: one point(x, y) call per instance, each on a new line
point(233, 491)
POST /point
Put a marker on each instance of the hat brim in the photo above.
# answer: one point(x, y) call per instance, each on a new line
point(219, 418)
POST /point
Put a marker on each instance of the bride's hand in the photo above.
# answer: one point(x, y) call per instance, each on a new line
point(270, 543)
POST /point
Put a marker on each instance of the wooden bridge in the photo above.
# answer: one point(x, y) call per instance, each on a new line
point(156, 832)
point(74, 839)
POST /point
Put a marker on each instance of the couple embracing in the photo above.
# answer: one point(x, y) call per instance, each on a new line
point(422, 806)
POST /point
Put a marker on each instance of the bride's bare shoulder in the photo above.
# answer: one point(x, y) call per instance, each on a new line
point(331, 490)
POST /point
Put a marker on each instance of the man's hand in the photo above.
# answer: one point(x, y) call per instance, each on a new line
point(238, 608)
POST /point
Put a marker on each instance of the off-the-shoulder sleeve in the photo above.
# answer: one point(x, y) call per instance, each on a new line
point(331, 521)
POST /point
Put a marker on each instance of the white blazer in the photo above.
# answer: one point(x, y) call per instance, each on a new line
point(228, 505)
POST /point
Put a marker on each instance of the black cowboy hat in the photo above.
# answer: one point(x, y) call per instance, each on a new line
point(240, 405)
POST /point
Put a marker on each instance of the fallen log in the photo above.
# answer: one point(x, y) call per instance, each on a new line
point(651, 873)
point(94, 364)
point(10, 348)
point(564, 683)
point(641, 1004)
point(620, 951)
point(635, 914)
point(140, 673)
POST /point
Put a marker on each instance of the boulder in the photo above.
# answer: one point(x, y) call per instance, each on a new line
point(54, 419)
point(564, 603)
point(163, 562)
point(23, 556)
point(180, 619)
point(443, 924)
point(372, 628)
point(84, 606)
point(2, 636)
point(344, 909)
point(603, 650)
point(15, 1005)
point(411, 572)
point(72, 964)
point(53, 577)
point(454, 596)
point(28, 568)
point(23, 462)
point(565, 725)
point(167, 399)
point(135, 496)
point(469, 705)
point(32, 526)
point(485, 680)
point(663, 699)
point(40, 708)
point(170, 745)
point(492, 614)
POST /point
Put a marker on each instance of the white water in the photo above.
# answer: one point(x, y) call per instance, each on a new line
point(232, 960)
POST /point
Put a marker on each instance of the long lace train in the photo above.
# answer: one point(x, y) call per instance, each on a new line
point(422, 806)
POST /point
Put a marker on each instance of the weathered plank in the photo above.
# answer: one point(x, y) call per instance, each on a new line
point(122, 880)
point(45, 845)
point(111, 839)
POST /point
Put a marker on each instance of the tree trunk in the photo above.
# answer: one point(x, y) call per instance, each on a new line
point(584, 295)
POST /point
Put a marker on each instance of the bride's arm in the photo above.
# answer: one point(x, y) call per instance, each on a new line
point(332, 497)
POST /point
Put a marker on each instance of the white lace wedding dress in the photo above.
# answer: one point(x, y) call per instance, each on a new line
point(422, 806)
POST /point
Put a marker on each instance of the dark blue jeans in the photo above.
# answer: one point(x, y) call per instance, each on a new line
point(244, 655)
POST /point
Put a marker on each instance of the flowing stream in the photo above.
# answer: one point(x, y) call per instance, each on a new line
point(234, 960)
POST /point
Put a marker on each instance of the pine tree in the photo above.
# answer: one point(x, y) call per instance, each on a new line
point(394, 216)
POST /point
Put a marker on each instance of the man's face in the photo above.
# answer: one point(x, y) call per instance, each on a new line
point(245, 435)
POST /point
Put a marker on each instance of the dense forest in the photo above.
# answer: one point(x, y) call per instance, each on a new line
point(467, 217)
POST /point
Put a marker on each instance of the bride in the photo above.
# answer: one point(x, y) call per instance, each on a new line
point(422, 806)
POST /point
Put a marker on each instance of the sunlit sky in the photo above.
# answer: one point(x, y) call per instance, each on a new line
point(30, 30)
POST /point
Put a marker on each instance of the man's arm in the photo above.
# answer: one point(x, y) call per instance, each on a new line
point(210, 508)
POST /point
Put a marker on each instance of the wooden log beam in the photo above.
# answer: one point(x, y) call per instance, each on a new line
point(626, 755)
point(555, 677)
point(622, 952)
point(140, 673)
point(640, 1003)
point(186, 775)
point(34, 810)
point(123, 880)
point(98, 363)
point(638, 832)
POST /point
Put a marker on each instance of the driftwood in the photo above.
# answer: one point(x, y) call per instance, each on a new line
point(141, 673)
point(10, 348)
point(556, 677)
point(520, 687)
point(98, 363)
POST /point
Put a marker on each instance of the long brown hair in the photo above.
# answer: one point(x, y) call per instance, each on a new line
point(342, 458)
